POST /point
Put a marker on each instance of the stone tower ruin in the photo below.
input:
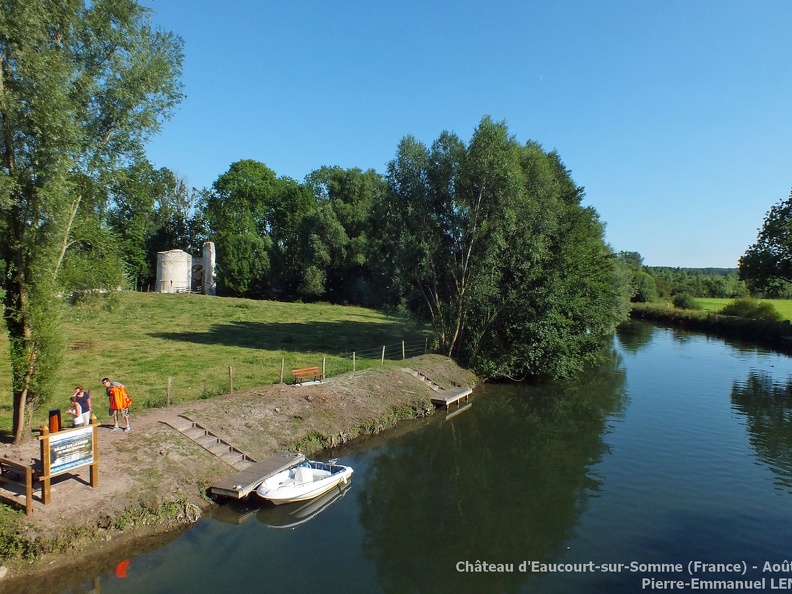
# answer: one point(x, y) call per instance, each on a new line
point(179, 272)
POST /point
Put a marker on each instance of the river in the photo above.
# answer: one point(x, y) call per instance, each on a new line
point(669, 465)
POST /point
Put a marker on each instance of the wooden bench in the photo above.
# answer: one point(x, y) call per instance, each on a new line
point(21, 476)
point(307, 374)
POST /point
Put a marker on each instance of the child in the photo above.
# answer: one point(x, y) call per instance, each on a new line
point(76, 412)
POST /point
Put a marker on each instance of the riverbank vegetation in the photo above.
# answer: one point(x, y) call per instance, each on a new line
point(768, 328)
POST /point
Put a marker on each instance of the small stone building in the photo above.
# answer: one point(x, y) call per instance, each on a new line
point(179, 272)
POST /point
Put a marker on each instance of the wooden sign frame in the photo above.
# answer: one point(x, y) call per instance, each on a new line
point(68, 450)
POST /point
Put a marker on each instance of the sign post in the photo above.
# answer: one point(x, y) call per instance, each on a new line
point(67, 450)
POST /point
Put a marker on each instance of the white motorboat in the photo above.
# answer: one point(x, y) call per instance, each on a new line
point(303, 481)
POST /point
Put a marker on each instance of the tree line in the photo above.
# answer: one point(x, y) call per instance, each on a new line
point(763, 271)
point(486, 239)
point(653, 283)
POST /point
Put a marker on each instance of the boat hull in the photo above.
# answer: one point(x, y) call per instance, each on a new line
point(302, 482)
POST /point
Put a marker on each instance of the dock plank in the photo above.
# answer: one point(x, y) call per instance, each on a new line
point(243, 482)
point(450, 396)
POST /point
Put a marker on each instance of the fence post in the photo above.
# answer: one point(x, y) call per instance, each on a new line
point(403, 355)
point(383, 355)
point(283, 362)
point(44, 442)
point(324, 366)
point(29, 490)
point(230, 380)
point(168, 390)
point(353, 360)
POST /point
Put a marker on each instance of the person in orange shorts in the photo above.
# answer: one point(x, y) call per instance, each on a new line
point(120, 402)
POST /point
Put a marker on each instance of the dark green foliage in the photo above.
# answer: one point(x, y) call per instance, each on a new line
point(770, 333)
point(246, 204)
point(767, 264)
point(698, 282)
point(685, 301)
point(334, 239)
point(245, 262)
point(491, 242)
point(151, 211)
point(750, 308)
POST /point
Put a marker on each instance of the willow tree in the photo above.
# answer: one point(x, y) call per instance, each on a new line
point(82, 86)
point(490, 239)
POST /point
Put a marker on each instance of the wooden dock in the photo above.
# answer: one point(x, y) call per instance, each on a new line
point(243, 482)
point(444, 397)
point(450, 396)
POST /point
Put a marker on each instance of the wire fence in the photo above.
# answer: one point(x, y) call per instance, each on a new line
point(340, 363)
point(329, 365)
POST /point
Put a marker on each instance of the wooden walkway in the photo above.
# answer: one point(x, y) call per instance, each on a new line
point(444, 397)
point(450, 396)
point(210, 442)
point(243, 482)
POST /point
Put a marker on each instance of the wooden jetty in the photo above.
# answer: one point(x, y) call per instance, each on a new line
point(450, 396)
point(243, 482)
point(444, 397)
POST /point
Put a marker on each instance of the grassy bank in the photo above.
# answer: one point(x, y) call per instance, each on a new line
point(714, 305)
point(776, 335)
point(207, 345)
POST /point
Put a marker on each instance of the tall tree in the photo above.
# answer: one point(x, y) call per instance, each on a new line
point(334, 237)
point(260, 214)
point(83, 84)
point(234, 211)
point(767, 264)
point(644, 288)
point(512, 270)
point(150, 211)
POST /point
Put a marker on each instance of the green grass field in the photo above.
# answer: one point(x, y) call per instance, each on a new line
point(783, 306)
point(142, 339)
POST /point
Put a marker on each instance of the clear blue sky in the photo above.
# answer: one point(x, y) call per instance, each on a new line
point(674, 115)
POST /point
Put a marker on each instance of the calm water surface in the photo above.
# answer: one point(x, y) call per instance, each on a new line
point(679, 449)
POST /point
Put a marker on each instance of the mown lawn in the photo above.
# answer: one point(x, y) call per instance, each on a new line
point(142, 339)
point(783, 306)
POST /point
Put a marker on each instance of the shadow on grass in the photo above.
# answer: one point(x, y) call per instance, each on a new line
point(336, 337)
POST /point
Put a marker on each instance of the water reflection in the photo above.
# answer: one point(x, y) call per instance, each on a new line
point(291, 515)
point(634, 335)
point(767, 406)
point(503, 485)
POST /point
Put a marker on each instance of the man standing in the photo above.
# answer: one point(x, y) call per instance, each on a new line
point(119, 402)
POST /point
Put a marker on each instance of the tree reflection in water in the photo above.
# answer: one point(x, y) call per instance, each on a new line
point(767, 406)
point(502, 484)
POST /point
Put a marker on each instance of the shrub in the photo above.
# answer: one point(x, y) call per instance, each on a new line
point(685, 301)
point(753, 309)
